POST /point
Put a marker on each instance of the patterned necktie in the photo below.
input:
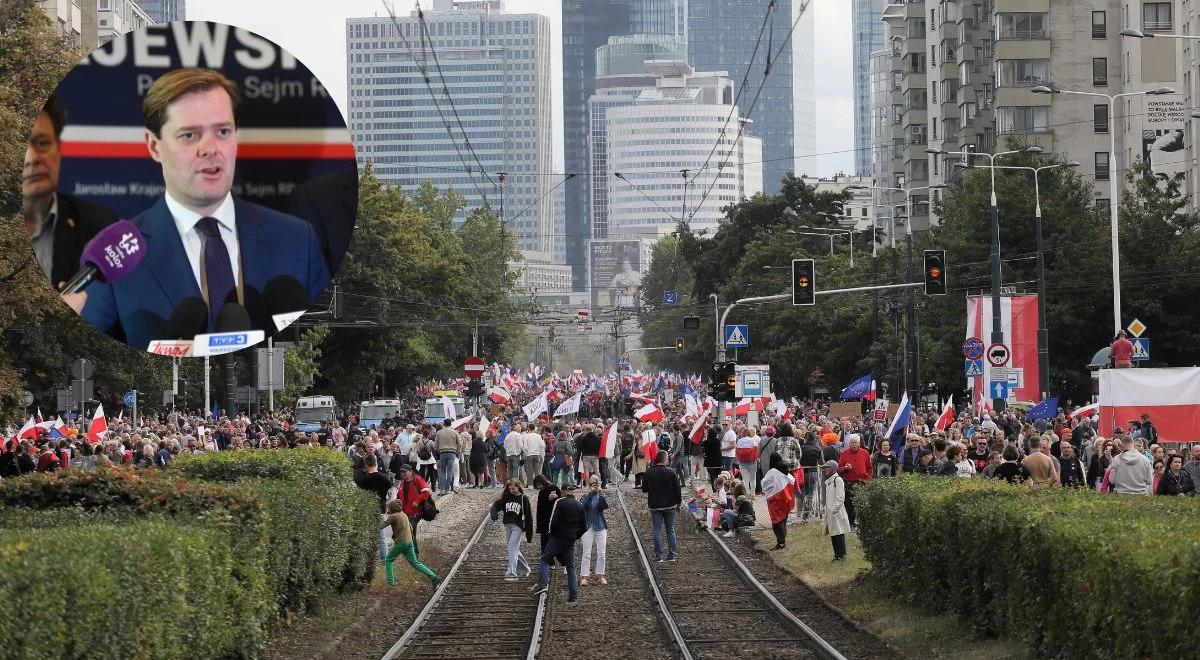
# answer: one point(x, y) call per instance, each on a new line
point(218, 270)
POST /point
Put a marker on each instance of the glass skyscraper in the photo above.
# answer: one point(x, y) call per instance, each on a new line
point(867, 38)
point(164, 11)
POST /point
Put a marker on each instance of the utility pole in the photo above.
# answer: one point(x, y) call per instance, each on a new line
point(910, 381)
point(550, 358)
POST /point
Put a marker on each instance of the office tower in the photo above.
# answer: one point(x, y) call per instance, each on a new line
point(586, 26)
point(867, 37)
point(496, 66)
point(165, 11)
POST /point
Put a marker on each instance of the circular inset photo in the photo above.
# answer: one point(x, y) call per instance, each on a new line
point(190, 188)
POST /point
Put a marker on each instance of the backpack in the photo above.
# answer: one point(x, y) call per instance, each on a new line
point(424, 453)
point(493, 452)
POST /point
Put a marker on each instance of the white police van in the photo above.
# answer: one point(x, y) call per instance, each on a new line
point(312, 410)
point(373, 412)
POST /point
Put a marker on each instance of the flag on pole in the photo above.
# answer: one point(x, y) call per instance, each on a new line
point(901, 420)
point(777, 486)
point(484, 425)
point(40, 419)
point(536, 407)
point(56, 428)
point(696, 435)
point(947, 417)
point(649, 413)
point(859, 389)
point(458, 423)
point(499, 395)
point(98, 427)
point(29, 430)
point(871, 395)
point(121, 414)
point(608, 442)
point(1086, 410)
point(569, 406)
point(1047, 409)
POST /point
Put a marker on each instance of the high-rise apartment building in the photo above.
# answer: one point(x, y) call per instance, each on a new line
point(586, 26)
point(965, 74)
point(722, 35)
point(164, 11)
point(496, 68)
point(670, 128)
point(867, 38)
point(116, 17)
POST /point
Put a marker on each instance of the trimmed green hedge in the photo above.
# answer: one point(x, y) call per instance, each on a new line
point(324, 529)
point(146, 589)
point(1070, 573)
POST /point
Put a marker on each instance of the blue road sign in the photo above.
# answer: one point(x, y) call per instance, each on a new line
point(737, 336)
point(972, 349)
point(999, 389)
point(670, 297)
point(129, 399)
point(1141, 349)
point(973, 368)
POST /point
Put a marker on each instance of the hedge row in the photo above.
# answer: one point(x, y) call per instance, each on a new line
point(146, 589)
point(286, 527)
point(1070, 573)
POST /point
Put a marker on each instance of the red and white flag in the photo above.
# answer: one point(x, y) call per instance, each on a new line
point(484, 425)
point(40, 419)
point(696, 435)
point(1086, 410)
point(29, 430)
point(499, 395)
point(1171, 397)
point(458, 423)
point(781, 410)
point(777, 486)
point(98, 427)
point(871, 395)
point(649, 413)
point(608, 442)
point(947, 417)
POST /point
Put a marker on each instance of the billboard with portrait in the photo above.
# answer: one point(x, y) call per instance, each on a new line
point(614, 273)
point(1162, 138)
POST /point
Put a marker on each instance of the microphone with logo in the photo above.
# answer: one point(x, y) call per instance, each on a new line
point(233, 333)
point(113, 253)
point(189, 319)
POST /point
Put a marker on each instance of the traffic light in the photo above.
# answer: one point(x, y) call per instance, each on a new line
point(475, 387)
point(724, 382)
point(935, 272)
point(679, 344)
point(968, 160)
point(691, 323)
point(804, 282)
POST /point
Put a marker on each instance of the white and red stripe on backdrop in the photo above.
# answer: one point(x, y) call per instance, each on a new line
point(1019, 322)
point(1170, 396)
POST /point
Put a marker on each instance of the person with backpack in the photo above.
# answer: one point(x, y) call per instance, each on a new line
point(402, 544)
point(413, 491)
point(423, 458)
point(518, 519)
point(491, 455)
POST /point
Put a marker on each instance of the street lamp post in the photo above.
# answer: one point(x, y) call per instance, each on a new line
point(997, 321)
point(1043, 332)
point(1114, 189)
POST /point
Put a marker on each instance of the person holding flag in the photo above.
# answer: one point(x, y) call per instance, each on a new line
point(778, 487)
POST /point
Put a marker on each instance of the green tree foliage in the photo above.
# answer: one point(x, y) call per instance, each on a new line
point(420, 283)
point(301, 365)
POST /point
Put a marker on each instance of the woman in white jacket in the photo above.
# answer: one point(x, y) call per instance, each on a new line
point(837, 522)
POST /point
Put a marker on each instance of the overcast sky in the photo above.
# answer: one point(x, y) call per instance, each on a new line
point(314, 31)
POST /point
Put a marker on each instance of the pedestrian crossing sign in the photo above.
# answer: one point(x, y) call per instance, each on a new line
point(737, 336)
point(973, 368)
point(1141, 349)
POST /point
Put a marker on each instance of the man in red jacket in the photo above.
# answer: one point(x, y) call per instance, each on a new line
point(413, 490)
point(855, 468)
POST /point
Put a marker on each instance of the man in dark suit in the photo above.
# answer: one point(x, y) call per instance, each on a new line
point(200, 241)
point(59, 225)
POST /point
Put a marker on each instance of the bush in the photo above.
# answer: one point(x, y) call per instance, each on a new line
point(76, 497)
point(146, 589)
point(324, 529)
point(1070, 573)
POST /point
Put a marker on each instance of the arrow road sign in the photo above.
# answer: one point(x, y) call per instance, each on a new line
point(737, 336)
point(997, 355)
point(999, 389)
point(973, 368)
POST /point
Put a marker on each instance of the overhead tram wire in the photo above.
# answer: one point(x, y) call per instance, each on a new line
point(757, 94)
point(544, 196)
point(433, 95)
point(428, 38)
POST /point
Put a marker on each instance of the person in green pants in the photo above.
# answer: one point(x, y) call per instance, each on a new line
point(402, 544)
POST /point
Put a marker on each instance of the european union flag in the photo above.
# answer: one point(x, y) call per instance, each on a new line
point(858, 389)
point(1047, 409)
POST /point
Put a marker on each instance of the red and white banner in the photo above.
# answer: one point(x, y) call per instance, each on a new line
point(458, 423)
point(1170, 396)
point(499, 395)
point(1019, 323)
point(608, 442)
point(98, 427)
point(649, 413)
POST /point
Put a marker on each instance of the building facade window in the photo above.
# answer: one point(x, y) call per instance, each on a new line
point(1102, 166)
point(1099, 25)
point(1100, 71)
point(1156, 16)
point(1023, 119)
point(1100, 118)
point(1021, 25)
point(1023, 73)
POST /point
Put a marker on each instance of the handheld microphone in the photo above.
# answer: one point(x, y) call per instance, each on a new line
point(286, 300)
point(232, 318)
point(189, 319)
point(233, 333)
point(112, 253)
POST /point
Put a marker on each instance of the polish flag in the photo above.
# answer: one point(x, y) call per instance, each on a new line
point(1019, 323)
point(499, 395)
point(696, 435)
point(777, 486)
point(458, 423)
point(1086, 411)
point(947, 416)
point(780, 408)
point(608, 442)
point(29, 430)
point(1170, 396)
point(871, 395)
point(649, 413)
point(40, 419)
point(98, 427)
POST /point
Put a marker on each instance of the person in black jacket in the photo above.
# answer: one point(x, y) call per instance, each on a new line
point(712, 454)
point(567, 524)
point(1176, 480)
point(588, 447)
point(663, 498)
point(518, 519)
point(547, 493)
